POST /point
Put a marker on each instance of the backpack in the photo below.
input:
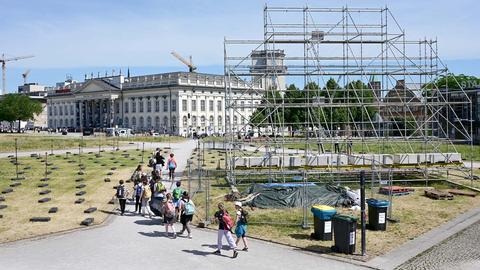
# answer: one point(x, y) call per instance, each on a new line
point(159, 187)
point(243, 216)
point(138, 190)
point(189, 208)
point(171, 164)
point(177, 192)
point(151, 162)
point(227, 221)
point(120, 192)
point(169, 210)
point(147, 193)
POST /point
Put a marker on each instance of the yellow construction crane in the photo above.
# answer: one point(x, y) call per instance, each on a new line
point(25, 75)
point(4, 60)
point(189, 64)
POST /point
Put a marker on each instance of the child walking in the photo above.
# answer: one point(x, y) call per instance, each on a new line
point(169, 215)
point(225, 224)
point(187, 209)
point(241, 228)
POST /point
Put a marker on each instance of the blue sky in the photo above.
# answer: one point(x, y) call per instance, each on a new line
point(78, 37)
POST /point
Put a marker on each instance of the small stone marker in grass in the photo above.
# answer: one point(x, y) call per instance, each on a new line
point(54, 168)
point(42, 185)
point(113, 168)
point(40, 219)
point(71, 161)
point(48, 172)
point(8, 190)
point(87, 222)
point(44, 192)
point(110, 173)
point(90, 210)
point(44, 179)
point(53, 210)
point(81, 193)
point(81, 186)
point(106, 180)
point(80, 200)
point(16, 184)
point(79, 179)
point(27, 168)
point(2, 199)
point(3, 206)
point(44, 200)
point(80, 173)
point(18, 178)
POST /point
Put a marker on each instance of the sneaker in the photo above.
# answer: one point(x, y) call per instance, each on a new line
point(245, 249)
point(190, 236)
point(235, 254)
point(217, 252)
point(174, 236)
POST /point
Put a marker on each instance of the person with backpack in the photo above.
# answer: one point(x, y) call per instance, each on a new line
point(225, 225)
point(171, 166)
point(241, 225)
point(146, 195)
point(137, 174)
point(122, 194)
point(137, 191)
point(169, 215)
point(177, 195)
point(159, 160)
point(187, 210)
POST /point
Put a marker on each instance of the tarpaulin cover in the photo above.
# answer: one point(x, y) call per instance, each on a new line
point(291, 196)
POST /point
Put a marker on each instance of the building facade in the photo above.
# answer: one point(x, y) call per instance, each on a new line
point(178, 103)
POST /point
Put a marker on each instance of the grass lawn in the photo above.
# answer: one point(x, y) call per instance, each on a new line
point(416, 213)
point(22, 202)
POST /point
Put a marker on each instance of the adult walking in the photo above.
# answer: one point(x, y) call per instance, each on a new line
point(225, 224)
point(171, 165)
point(241, 225)
point(159, 160)
point(138, 191)
point(187, 210)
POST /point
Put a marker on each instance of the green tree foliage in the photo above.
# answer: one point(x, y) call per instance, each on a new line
point(270, 111)
point(454, 82)
point(15, 107)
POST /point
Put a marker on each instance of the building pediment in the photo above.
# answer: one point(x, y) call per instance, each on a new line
point(94, 86)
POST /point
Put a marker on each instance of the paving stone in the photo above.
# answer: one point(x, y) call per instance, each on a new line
point(90, 210)
point(42, 185)
point(44, 192)
point(81, 193)
point(81, 186)
point(40, 219)
point(16, 184)
point(8, 190)
point(3, 206)
point(44, 200)
point(53, 210)
point(80, 200)
point(87, 222)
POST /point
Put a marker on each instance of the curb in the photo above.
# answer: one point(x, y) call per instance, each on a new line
point(411, 249)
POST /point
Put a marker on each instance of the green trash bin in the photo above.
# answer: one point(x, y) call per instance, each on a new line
point(344, 232)
point(377, 214)
point(322, 221)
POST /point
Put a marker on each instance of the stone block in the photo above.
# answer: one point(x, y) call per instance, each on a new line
point(7, 190)
point(79, 201)
point(44, 192)
point(42, 185)
point(44, 200)
point(90, 210)
point(81, 193)
point(3, 206)
point(16, 184)
point(87, 222)
point(81, 186)
point(53, 210)
point(40, 219)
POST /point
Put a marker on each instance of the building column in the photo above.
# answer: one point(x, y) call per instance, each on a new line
point(111, 113)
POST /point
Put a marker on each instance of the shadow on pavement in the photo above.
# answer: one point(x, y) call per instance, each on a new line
point(203, 253)
point(154, 234)
point(148, 222)
point(214, 246)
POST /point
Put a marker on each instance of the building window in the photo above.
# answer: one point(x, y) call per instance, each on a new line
point(185, 121)
point(194, 105)
point(134, 121)
point(117, 107)
point(72, 124)
point(149, 105)
point(125, 124)
point(141, 123)
point(149, 122)
point(165, 105)
point(66, 110)
point(55, 110)
point(235, 120)
point(61, 120)
point(194, 121)
point(184, 105)
point(243, 120)
point(174, 124)
point(157, 105)
point(157, 123)
point(165, 123)
point(50, 123)
point(174, 105)
point(210, 121)
point(140, 106)
point(202, 105)
point(60, 108)
point(242, 106)
point(49, 108)
point(134, 107)
point(220, 122)
point(219, 105)
point(210, 105)
point(126, 107)
point(202, 121)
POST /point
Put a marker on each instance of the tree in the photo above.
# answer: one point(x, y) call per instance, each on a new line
point(18, 107)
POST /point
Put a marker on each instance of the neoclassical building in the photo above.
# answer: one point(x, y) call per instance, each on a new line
point(177, 103)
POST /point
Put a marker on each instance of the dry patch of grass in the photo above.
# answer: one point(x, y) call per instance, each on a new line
point(23, 205)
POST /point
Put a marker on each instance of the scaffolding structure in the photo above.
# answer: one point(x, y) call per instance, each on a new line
point(367, 99)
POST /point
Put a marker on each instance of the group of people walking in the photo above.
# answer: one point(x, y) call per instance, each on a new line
point(149, 193)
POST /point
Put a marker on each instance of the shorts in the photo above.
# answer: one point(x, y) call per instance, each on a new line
point(176, 203)
point(158, 167)
point(241, 230)
point(184, 219)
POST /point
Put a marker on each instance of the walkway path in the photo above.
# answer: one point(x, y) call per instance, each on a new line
point(131, 241)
